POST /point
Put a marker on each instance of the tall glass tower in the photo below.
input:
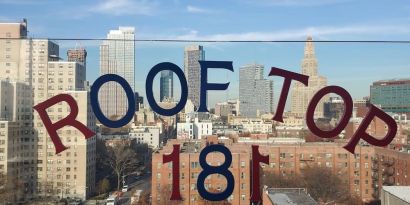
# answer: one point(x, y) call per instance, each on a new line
point(166, 90)
point(117, 56)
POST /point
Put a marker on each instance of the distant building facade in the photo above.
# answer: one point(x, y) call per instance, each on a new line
point(166, 85)
point(150, 135)
point(391, 95)
point(193, 128)
point(78, 55)
point(255, 92)
point(117, 56)
point(301, 94)
point(192, 70)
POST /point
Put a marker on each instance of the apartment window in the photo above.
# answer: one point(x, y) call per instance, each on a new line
point(242, 164)
point(194, 164)
point(282, 155)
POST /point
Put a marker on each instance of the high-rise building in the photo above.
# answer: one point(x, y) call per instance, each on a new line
point(18, 160)
point(391, 95)
point(301, 94)
point(78, 55)
point(192, 69)
point(255, 92)
point(35, 73)
point(72, 172)
point(15, 52)
point(117, 56)
point(18, 147)
point(166, 87)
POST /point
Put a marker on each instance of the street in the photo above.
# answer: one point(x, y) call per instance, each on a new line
point(135, 183)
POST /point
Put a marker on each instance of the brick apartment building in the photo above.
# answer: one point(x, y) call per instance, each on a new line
point(364, 172)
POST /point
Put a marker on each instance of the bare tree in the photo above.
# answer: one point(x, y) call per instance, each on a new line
point(144, 198)
point(165, 196)
point(122, 159)
point(322, 184)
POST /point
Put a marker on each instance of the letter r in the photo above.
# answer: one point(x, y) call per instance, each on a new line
point(69, 120)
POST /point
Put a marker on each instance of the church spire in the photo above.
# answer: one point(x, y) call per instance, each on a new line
point(309, 62)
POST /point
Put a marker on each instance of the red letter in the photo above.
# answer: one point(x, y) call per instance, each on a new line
point(348, 102)
point(69, 120)
point(361, 131)
point(289, 76)
point(256, 159)
point(174, 158)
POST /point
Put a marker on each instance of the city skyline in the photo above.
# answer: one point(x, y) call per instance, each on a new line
point(57, 147)
point(190, 20)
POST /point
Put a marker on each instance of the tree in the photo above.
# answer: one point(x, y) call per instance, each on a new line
point(321, 183)
point(6, 190)
point(272, 179)
point(165, 196)
point(144, 199)
point(324, 185)
point(103, 186)
point(122, 159)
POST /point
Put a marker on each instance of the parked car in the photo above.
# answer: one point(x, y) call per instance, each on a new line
point(112, 200)
point(125, 188)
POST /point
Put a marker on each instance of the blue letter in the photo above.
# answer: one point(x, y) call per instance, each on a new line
point(205, 86)
point(96, 105)
point(150, 96)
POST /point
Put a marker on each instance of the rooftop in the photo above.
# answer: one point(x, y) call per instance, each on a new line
point(392, 82)
point(290, 196)
point(402, 192)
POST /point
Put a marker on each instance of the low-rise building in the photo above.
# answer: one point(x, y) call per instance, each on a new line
point(150, 135)
point(395, 195)
point(193, 128)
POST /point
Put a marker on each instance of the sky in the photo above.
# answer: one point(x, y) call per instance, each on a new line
point(353, 66)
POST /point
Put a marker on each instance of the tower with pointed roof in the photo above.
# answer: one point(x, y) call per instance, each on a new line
point(302, 94)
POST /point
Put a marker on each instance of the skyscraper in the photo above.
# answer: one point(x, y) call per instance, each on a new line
point(34, 73)
point(255, 92)
point(192, 69)
point(391, 95)
point(72, 172)
point(18, 146)
point(166, 90)
point(117, 56)
point(301, 94)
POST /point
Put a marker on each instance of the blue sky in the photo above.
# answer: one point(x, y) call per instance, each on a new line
point(353, 66)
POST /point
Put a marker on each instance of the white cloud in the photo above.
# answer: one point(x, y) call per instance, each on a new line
point(326, 32)
point(22, 2)
point(124, 7)
point(296, 2)
point(194, 9)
